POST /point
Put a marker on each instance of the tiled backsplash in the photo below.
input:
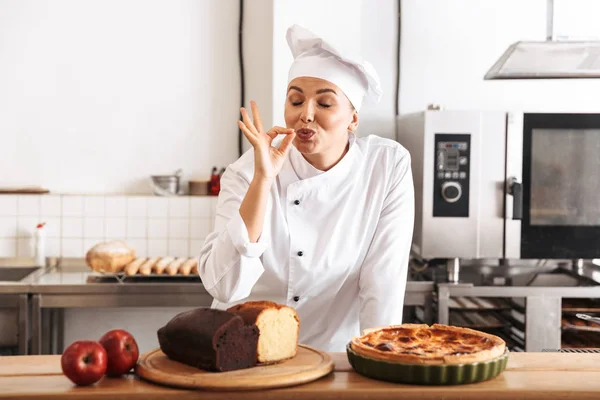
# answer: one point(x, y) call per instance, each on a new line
point(154, 226)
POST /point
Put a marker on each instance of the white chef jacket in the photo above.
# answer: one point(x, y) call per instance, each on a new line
point(334, 244)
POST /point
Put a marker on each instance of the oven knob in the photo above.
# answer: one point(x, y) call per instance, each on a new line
point(451, 191)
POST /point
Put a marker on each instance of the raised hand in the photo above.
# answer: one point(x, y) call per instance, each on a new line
point(268, 160)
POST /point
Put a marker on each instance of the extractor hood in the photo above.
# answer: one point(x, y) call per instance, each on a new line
point(550, 59)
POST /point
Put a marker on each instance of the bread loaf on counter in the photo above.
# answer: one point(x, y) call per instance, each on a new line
point(209, 339)
point(110, 256)
point(278, 327)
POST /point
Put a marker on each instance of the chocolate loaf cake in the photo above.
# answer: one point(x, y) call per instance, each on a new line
point(278, 327)
point(209, 339)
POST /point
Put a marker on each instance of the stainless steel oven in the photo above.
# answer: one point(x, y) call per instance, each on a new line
point(492, 184)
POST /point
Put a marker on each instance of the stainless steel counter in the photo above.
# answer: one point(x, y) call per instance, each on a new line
point(53, 289)
point(57, 289)
point(14, 305)
point(8, 288)
point(43, 295)
point(14, 318)
point(12, 272)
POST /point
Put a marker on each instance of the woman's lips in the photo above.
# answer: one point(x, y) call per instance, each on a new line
point(305, 133)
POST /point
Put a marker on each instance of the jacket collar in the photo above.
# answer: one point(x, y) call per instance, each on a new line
point(309, 176)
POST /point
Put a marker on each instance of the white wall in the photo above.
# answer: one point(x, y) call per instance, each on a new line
point(448, 46)
point(576, 19)
point(96, 95)
point(258, 59)
point(379, 24)
point(153, 226)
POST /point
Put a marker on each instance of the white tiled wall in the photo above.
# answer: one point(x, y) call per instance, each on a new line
point(154, 226)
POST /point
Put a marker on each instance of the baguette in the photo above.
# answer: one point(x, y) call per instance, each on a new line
point(187, 266)
point(133, 267)
point(195, 269)
point(162, 264)
point(173, 268)
point(146, 268)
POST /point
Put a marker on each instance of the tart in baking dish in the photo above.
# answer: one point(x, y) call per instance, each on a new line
point(421, 344)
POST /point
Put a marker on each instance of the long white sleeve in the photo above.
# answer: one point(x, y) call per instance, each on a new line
point(229, 265)
point(383, 275)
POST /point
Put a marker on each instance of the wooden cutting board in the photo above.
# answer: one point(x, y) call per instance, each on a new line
point(308, 365)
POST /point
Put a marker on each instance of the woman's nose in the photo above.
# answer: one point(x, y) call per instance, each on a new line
point(308, 113)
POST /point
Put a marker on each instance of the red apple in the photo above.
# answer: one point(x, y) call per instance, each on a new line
point(84, 362)
point(122, 351)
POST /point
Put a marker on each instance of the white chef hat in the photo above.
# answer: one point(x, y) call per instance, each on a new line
point(314, 57)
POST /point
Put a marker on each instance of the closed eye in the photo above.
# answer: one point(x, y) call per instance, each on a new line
point(298, 103)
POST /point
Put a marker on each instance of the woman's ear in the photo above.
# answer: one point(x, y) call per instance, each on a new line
point(354, 123)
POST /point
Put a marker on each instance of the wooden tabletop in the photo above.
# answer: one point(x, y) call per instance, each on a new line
point(528, 375)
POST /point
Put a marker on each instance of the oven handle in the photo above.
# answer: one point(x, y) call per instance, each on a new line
point(515, 188)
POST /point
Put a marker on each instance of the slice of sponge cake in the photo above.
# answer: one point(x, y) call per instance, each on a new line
point(278, 327)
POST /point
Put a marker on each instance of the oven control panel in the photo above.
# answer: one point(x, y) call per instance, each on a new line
point(451, 175)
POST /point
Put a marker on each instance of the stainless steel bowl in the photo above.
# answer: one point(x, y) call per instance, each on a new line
point(165, 185)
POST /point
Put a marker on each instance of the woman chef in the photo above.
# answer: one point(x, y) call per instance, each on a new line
point(323, 222)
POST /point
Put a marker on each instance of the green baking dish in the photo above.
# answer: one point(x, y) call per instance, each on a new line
point(426, 374)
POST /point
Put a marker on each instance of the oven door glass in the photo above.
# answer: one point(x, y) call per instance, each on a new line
point(561, 186)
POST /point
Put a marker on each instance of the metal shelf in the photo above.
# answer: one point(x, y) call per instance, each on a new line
point(541, 311)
